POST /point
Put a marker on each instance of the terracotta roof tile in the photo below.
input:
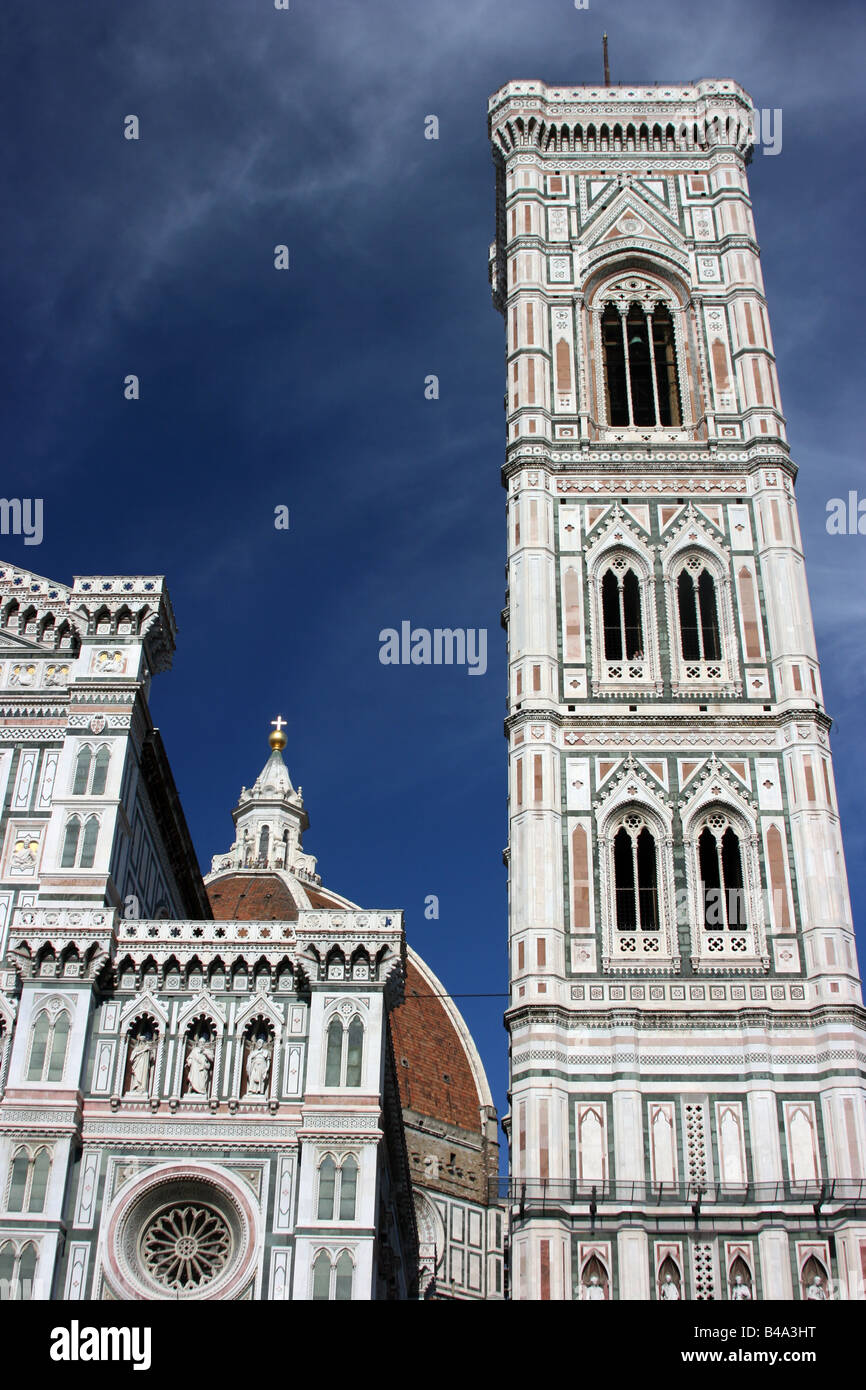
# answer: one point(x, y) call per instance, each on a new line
point(251, 898)
point(433, 1071)
point(320, 898)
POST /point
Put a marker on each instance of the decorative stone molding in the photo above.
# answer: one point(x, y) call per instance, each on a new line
point(181, 1230)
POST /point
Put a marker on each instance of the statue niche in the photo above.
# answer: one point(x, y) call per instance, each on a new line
point(258, 1056)
point(142, 1043)
point(815, 1280)
point(670, 1281)
point(595, 1286)
point(740, 1281)
point(199, 1059)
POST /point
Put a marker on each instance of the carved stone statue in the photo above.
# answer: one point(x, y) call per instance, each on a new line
point(22, 861)
point(669, 1289)
point(199, 1062)
point(816, 1289)
point(593, 1290)
point(141, 1056)
point(740, 1289)
point(258, 1067)
point(111, 662)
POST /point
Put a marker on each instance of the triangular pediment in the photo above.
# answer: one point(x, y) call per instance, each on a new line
point(260, 1005)
point(693, 528)
point(618, 529)
point(630, 217)
point(632, 784)
point(203, 1003)
point(716, 783)
point(144, 1003)
point(11, 645)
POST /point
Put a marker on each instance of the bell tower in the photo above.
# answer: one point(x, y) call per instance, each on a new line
point(688, 1113)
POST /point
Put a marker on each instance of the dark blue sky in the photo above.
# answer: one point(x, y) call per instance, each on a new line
point(305, 388)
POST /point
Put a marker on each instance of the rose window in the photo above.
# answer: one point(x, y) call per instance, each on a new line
point(186, 1247)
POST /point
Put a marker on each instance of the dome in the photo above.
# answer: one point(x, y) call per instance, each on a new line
point(439, 1071)
point(265, 896)
point(254, 897)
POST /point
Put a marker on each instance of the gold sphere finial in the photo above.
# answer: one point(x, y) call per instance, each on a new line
point(278, 739)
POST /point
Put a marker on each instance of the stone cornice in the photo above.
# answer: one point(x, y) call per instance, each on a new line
point(521, 113)
point(688, 1019)
point(100, 937)
point(619, 96)
point(595, 459)
point(28, 707)
point(195, 1133)
point(677, 721)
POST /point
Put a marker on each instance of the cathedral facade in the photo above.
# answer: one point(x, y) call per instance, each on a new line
point(199, 1091)
point(686, 1024)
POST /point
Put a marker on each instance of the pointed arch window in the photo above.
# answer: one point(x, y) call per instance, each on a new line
point(616, 390)
point(338, 1189)
point(700, 639)
point(39, 1181)
point(322, 1277)
point(82, 772)
point(621, 613)
point(57, 1049)
point(77, 849)
point(333, 1278)
point(17, 1271)
point(28, 1181)
point(344, 1271)
point(264, 840)
point(354, 1052)
point(344, 1055)
point(88, 844)
point(635, 867)
point(334, 1058)
point(18, 1181)
point(720, 861)
point(348, 1188)
point(69, 853)
point(100, 772)
point(640, 365)
point(38, 1048)
point(48, 1045)
point(327, 1189)
point(91, 772)
point(8, 1257)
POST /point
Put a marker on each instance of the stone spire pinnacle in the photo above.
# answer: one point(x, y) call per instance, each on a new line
point(270, 819)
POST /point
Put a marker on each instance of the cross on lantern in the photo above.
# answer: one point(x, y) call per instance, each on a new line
point(279, 723)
